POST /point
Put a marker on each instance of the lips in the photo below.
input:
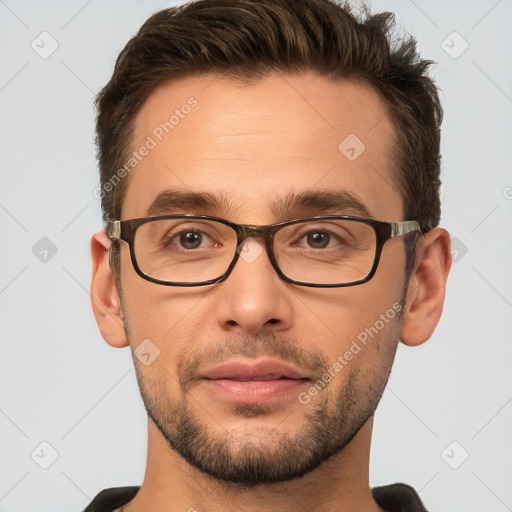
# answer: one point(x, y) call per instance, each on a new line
point(253, 382)
point(250, 371)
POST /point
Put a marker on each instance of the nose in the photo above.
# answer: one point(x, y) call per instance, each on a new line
point(253, 297)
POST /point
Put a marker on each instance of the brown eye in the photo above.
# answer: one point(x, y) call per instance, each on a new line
point(318, 239)
point(190, 239)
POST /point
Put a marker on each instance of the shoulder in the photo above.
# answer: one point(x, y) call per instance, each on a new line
point(397, 498)
point(110, 499)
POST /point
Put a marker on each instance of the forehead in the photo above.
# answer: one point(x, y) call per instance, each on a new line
point(253, 145)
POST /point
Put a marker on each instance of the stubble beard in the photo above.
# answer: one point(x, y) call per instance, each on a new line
point(268, 455)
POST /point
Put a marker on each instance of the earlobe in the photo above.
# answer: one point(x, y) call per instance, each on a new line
point(427, 286)
point(105, 300)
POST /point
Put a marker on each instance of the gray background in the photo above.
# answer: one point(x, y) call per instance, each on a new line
point(62, 385)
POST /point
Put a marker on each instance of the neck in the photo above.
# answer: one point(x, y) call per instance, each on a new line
point(339, 484)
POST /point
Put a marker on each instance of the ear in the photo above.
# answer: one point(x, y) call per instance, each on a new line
point(106, 304)
point(427, 285)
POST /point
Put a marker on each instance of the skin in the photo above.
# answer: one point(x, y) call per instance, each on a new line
point(254, 144)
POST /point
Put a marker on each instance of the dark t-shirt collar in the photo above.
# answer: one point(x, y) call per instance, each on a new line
point(391, 498)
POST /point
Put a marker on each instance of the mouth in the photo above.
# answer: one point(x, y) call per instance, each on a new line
point(254, 382)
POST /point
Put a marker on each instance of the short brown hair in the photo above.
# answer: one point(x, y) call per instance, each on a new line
point(247, 39)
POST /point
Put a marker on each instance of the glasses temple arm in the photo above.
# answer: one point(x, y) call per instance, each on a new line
point(402, 228)
point(114, 230)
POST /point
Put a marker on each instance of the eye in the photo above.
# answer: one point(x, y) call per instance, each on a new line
point(318, 239)
point(188, 238)
point(191, 239)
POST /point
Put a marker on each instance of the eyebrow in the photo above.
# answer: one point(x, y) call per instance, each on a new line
point(187, 202)
point(319, 202)
point(293, 205)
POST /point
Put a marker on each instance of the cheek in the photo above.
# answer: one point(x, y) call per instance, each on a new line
point(157, 312)
point(366, 357)
point(169, 321)
point(340, 317)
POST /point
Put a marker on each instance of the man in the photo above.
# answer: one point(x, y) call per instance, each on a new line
point(270, 185)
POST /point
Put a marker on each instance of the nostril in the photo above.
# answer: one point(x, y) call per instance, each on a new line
point(273, 321)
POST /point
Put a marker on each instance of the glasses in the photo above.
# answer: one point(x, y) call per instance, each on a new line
point(198, 250)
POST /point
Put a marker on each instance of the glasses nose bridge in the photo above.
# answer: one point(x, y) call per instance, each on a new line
point(246, 231)
point(266, 233)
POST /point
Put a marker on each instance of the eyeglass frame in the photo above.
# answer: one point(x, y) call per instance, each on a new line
point(125, 230)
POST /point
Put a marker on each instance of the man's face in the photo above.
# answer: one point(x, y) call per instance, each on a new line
point(256, 146)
